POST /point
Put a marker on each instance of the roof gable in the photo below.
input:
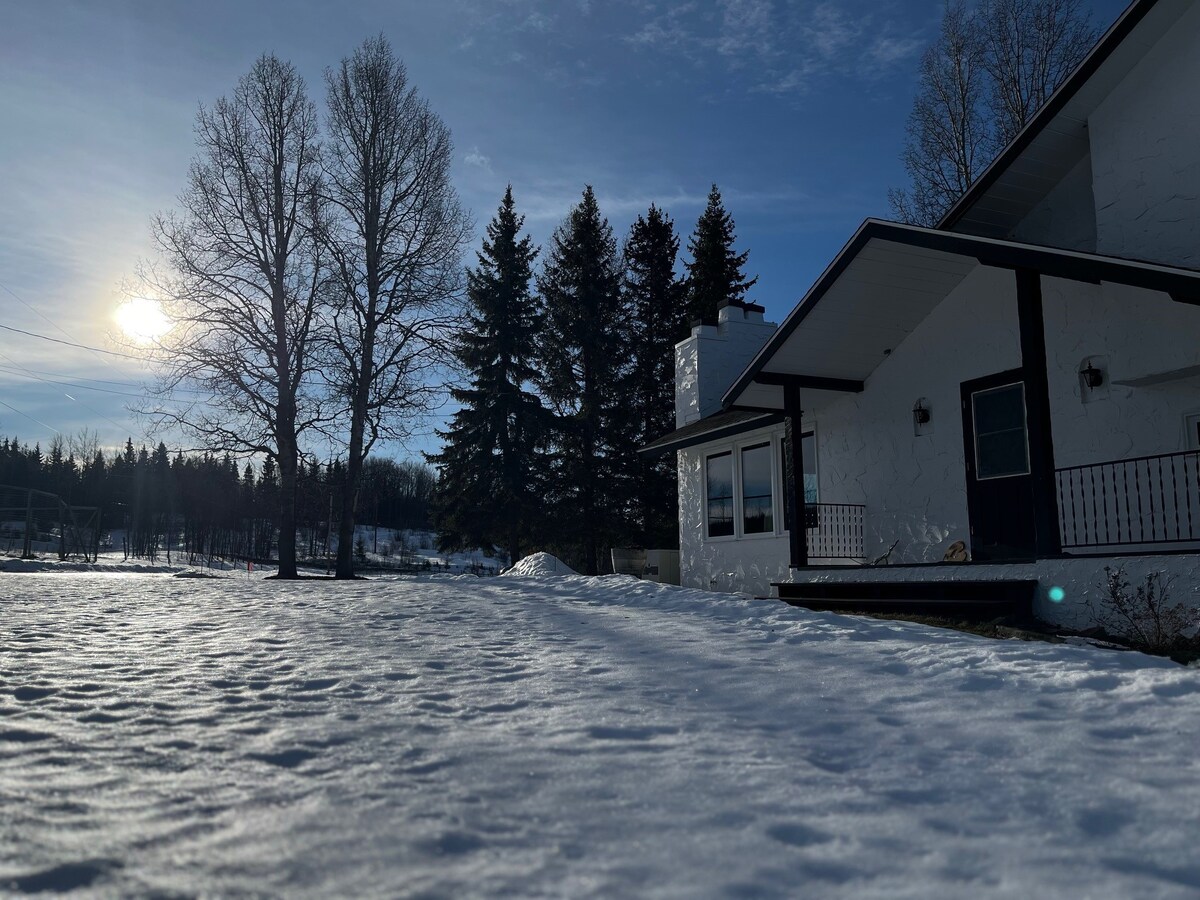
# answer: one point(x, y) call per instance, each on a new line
point(1056, 138)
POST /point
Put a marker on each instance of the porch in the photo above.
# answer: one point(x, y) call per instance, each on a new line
point(1144, 504)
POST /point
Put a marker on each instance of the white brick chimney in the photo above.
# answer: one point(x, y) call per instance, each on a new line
point(707, 363)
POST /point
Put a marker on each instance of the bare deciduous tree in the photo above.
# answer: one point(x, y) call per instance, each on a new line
point(243, 281)
point(1031, 47)
point(396, 248)
point(983, 79)
point(948, 136)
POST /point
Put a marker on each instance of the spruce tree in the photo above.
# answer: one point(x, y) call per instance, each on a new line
point(714, 275)
point(657, 305)
point(489, 493)
point(582, 351)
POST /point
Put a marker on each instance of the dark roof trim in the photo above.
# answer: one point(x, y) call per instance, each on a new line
point(1182, 285)
point(713, 428)
point(1104, 48)
point(811, 382)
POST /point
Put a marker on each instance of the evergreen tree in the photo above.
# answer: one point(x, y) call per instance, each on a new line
point(714, 275)
point(582, 349)
point(491, 464)
point(657, 305)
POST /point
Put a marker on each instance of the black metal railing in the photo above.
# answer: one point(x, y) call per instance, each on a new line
point(834, 530)
point(1146, 500)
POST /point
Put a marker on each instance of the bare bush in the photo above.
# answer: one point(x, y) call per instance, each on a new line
point(1144, 615)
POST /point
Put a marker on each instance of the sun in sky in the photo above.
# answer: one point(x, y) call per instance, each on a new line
point(142, 319)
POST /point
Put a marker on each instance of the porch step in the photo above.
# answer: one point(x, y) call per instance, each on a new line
point(976, 600)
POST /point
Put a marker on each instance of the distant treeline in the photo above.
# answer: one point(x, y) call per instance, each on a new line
point(156, 503)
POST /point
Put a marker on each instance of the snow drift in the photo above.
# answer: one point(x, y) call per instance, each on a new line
point(540, 565)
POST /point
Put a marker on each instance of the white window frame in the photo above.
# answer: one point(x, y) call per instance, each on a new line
point(739, 498)
point(1024, 426)
point(1191, 431)
point(776, 440)
point(709, 452)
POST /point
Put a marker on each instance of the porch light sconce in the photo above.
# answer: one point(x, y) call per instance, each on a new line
point(920, 413)
point(1092, 376)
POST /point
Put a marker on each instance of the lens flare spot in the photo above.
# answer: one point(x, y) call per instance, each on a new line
point(1056, 594)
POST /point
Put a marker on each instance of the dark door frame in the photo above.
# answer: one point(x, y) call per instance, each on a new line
point(970, 452)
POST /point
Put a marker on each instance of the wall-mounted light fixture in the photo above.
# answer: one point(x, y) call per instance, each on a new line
point(1092, 377)
point(921, 415)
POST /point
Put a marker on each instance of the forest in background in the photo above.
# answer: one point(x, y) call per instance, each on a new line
point(155, 504)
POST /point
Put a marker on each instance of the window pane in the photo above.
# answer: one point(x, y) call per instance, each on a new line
point(719, 488)
point(808, 445)
point(1001, 447)
point(757, 513)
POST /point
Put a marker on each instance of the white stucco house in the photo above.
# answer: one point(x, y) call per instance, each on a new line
point(1023, 378)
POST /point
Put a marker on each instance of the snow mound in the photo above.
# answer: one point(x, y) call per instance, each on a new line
point(539, 565)
point(12, 564)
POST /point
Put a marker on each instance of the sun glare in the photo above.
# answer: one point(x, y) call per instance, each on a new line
point(142, 319)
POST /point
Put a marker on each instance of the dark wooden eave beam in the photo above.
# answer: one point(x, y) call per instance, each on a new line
point(810, 382)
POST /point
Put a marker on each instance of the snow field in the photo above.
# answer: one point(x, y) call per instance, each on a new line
point(570, 736)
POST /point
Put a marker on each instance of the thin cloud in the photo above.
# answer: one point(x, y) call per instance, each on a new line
point(477, 160)
point(778, 48)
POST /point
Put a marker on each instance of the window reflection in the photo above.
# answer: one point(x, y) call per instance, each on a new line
point(757, 509)
point(719, 491)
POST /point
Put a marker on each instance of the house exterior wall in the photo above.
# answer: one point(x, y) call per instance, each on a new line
point(1129, 334)
point(1066, 217)
point(914, 487)
point(750, 563)
point(1145, 158)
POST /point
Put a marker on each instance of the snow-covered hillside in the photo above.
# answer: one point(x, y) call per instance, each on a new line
point(455, 736)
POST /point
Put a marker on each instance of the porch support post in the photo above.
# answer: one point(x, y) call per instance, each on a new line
point(1032, 327)
point(794, 489)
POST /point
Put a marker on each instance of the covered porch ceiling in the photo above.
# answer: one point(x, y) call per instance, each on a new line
point(883, 283)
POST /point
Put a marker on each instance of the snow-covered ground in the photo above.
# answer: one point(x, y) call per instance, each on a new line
point(540, 736)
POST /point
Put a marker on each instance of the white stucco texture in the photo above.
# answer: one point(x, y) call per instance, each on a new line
point(1145, 154)
point(1066, 217)
point(708, 361)
point(749, 564)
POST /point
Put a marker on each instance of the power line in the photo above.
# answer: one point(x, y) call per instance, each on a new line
point(95, 412)
point(75, 381)
point(75, 378)
point(29, 374)
point(71, 343)
point(29, 417)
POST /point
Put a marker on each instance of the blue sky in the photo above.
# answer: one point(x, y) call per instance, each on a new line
point(796, 109)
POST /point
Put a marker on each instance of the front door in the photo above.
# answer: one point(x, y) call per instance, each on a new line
point(999, 484)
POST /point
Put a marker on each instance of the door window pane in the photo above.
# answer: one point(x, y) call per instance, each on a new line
point(1001, 445)
point(757, 509)
point(719, 492)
